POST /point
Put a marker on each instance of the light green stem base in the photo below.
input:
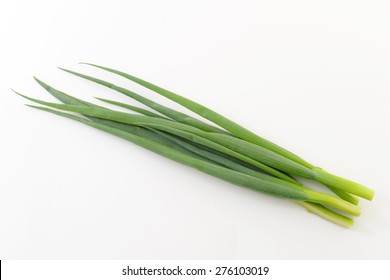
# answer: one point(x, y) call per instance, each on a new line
point(327, 214)
point(343, 184)
point(344, 195)
point(333, 201)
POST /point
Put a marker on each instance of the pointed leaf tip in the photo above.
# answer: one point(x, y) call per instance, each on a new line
point(36, 107)
point(37, 80)
point(16, 92)
point(67, 70)
point(86, 63)
point(90, 64)
point(63, 69)
point(24, 96)
point(42, 83)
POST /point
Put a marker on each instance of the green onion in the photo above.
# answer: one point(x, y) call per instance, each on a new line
point(310, 206)
point(281, 189)
point(231, 153)
point(316, 173)
point(213, 155)
point(168, 113)
point(247, 149)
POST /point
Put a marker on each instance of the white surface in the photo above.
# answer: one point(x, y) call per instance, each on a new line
point(310, 76)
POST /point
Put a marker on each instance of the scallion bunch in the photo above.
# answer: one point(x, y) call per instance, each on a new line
point(225, 150)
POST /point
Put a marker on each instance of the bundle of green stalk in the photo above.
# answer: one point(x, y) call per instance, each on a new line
point(225, 150)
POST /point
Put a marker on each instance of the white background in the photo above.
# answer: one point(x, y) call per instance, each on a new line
point(312, 76)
